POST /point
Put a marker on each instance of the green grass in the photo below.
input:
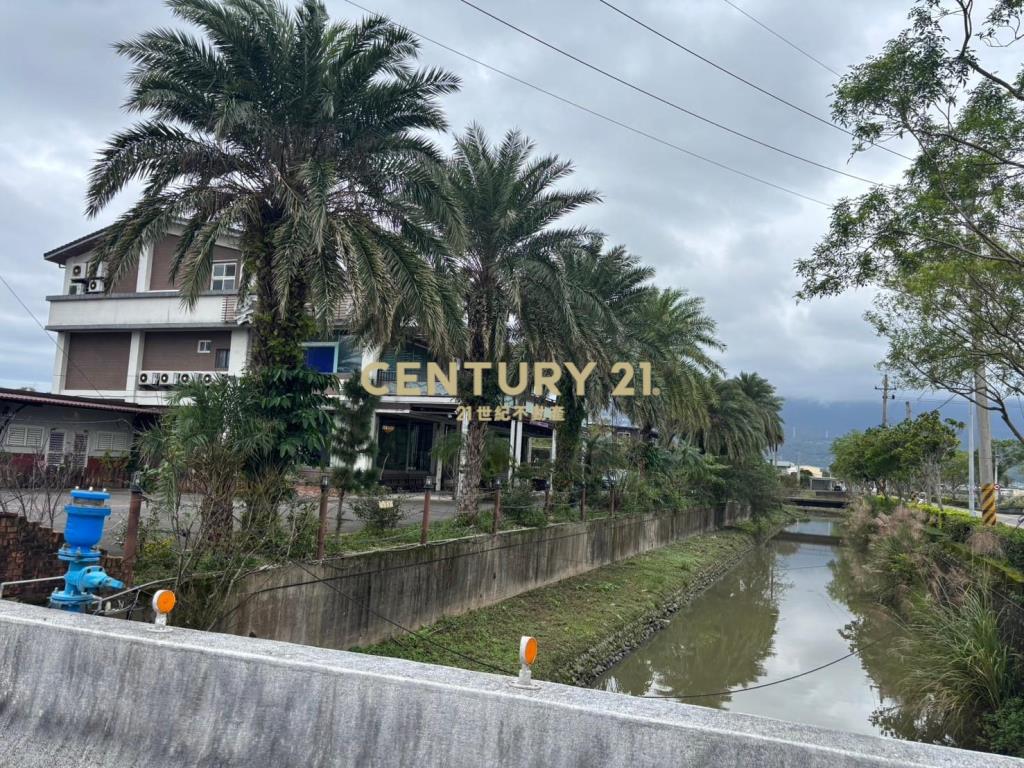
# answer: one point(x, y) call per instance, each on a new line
point(573, 616)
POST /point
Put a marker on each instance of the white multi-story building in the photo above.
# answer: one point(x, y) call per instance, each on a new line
point(133, 341)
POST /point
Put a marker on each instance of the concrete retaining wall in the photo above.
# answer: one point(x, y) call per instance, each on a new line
point(416, 586)
point(103, 693)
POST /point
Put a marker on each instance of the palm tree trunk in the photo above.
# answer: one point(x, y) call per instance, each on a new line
point(277, 332)
point(473, 456)
point(567, 459)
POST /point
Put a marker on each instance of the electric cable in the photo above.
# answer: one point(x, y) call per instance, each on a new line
point(786, 40)
point(805, 673)
point(47, 334)
point(742, 79)
point(414, 633)
point(606, 118)
point(665, 101)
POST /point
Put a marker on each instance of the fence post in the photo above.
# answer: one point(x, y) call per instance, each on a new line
point(496, 522)
point(131, 535)
point(425, 526)
point(583, 502)
point(321, 534)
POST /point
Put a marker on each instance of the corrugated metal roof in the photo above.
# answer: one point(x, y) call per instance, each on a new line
point(70, 401)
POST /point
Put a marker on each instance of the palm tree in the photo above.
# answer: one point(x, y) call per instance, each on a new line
point(677, 336)
point(768, 406)
point(509, 255)
point(607, 286)
point(302, 136)
point(742, 426)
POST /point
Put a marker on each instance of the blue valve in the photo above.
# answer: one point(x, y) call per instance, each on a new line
point(86, 515)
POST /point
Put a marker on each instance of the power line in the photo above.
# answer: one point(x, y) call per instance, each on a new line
point(608, 119)
point(787, 41)
point(805, 673)
point(742, 79)
point(47, 335)
point(666, 102)
point(414, 633)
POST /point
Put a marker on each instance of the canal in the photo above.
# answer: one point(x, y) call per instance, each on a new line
point(786, 608)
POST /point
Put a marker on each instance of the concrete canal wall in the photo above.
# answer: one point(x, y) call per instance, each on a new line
point(349, 601)
point(104, 693)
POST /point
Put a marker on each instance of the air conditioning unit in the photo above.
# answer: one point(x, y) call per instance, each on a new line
point(164, 378)
point(78, 272)
point(206, 377)
point(96, 285)
point(101, 269)
point(149, 379)
point(184, 377)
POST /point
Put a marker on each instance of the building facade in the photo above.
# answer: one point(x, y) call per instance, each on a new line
point(134, 341)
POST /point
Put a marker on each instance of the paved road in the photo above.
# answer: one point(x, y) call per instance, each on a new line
point(441, 508)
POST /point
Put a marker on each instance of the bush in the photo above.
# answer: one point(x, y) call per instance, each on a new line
point(754, 483)
point(959, 526)
point(958, 665)
point(375, 516)
point(519, 505)
point(1003, 730)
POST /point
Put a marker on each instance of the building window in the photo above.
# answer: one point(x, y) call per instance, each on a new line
point(108, 442)
point(24, 437)
point(322, 357)
point(221, 359)
point(205, 347)
point(225, 274)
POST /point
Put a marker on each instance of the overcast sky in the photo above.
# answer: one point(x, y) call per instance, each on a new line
point(720, 236)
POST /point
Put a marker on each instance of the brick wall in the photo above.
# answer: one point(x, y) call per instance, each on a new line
point(28, 550)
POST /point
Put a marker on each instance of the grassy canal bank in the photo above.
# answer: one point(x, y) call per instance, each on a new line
point(585, 623)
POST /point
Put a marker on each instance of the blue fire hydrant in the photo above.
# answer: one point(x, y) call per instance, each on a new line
point(86, 514)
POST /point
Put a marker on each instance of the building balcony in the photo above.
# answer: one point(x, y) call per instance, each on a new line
point(151, 310)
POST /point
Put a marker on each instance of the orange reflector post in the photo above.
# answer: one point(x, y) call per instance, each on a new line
point(164, 601)
point(528, 650)
point(527, 655)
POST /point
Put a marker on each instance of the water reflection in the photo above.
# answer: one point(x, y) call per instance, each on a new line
point(785, 609)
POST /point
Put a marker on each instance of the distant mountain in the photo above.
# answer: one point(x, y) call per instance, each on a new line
point(811, 426)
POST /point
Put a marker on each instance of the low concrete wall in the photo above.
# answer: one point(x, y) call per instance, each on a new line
point(416, 586)
point(98, 692)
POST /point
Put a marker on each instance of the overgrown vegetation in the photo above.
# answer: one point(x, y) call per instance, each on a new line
point(960, 644)
point(575, 615)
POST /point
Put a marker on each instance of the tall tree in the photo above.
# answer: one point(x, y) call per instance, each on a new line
point(510, 253)
point(944, 245)
point(303, 136)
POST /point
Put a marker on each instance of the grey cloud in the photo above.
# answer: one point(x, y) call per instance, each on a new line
point(720, 236)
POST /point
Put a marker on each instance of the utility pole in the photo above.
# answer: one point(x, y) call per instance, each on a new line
point(985, 466)
point(886, 397)
point(970, 458)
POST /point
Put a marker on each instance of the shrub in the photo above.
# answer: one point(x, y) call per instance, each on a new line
point(519, 505)
point(378, 510)
point(861, 524)
point(960, 526)
point(958, 666)
point(1003, 730)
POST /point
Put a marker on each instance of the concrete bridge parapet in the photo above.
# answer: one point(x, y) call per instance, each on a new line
point(79, 690)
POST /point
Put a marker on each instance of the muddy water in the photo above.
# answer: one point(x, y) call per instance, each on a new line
point(785, 609)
